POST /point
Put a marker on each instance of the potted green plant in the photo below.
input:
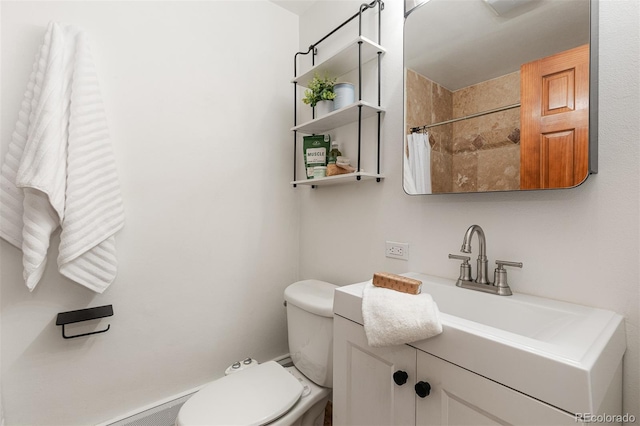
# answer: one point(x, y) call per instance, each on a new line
point(320, 94)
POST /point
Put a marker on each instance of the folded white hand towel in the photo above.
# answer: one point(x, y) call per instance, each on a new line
point(60, 169)
point(394, 318)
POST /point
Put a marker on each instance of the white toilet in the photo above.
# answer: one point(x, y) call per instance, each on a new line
point(269, 393)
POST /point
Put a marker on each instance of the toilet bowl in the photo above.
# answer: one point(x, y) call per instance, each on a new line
point(267, 394)
point(270, 394)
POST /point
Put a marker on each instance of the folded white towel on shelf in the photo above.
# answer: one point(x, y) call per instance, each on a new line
point(60, 169)
point(394, 318)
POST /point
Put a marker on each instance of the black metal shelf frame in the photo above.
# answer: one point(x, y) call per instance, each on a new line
point(314, 51)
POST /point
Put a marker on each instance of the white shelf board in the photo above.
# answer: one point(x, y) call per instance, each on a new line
point(338, 118)
point(338, 179)
point(343, 61)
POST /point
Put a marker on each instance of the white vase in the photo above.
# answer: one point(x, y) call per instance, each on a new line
point(323, 108)
point(345, 95)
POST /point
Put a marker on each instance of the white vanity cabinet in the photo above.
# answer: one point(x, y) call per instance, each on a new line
point(365, 393)
point(461, 397)
point(520, 360)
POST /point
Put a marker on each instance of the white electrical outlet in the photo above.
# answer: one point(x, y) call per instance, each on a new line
point(397, 250)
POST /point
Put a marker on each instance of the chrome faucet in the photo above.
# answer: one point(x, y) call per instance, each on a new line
point(500, 285)
point(482, 262)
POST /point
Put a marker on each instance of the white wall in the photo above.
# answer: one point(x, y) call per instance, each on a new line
point(198, 100)
point(579, 245)
point(202, 232)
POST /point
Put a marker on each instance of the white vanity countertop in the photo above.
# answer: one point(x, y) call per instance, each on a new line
point(558, 352)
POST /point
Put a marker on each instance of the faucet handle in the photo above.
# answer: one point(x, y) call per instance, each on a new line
point(457, 256)
point(465, 268)
point(502, 263)
point(500, 276)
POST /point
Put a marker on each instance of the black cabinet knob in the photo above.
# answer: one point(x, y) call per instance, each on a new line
point(400, 377)
point(423, 389)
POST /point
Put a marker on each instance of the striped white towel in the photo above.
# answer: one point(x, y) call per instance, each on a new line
point(60, 169)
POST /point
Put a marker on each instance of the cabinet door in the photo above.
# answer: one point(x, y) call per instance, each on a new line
point(364, 390)
point(460, 397)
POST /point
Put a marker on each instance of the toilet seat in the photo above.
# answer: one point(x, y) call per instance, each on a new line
point(255, 396)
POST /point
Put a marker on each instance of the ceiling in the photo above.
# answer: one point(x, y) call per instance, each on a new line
point(459, 43)
point(298, 7)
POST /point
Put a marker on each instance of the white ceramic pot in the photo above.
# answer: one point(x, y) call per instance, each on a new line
point(345, 95)
point(323, 108)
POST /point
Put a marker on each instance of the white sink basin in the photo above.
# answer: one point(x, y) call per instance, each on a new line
point(567, 355)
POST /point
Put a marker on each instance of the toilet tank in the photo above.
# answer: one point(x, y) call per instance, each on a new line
point(310, 327)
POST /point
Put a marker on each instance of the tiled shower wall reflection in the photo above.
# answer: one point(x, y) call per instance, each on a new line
point(478, 154)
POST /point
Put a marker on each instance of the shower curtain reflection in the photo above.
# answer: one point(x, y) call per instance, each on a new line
point(417, 172)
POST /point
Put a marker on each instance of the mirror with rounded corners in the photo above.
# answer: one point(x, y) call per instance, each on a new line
point(500, 95)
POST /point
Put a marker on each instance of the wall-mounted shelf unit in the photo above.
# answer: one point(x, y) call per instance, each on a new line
point(338, 118)
point(337, 179)
point(359, 51)
point(344, 60)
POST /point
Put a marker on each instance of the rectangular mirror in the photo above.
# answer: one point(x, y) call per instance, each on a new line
point(500, 95)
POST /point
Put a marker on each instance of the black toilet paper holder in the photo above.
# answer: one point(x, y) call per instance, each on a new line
point(80, 315)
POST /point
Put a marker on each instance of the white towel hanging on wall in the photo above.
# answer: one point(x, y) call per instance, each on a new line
point(60, 169)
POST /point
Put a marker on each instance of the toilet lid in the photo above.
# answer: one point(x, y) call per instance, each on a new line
point(254, 396)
